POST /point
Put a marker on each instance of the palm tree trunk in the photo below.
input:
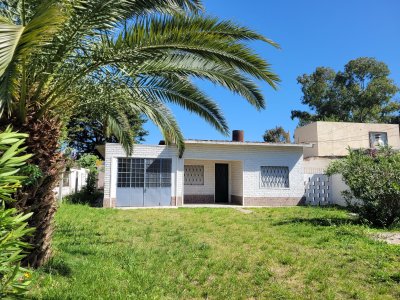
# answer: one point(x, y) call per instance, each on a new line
point(40, 199)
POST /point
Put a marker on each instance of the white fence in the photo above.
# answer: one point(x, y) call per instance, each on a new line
point(71, 181)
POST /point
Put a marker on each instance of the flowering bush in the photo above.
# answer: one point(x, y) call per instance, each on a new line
point(373, 177)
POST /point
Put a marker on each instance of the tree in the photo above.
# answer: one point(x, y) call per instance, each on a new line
point(373, 177)
point(88, 128)
point(125, 56)
point(363, 92)
point(276, 135)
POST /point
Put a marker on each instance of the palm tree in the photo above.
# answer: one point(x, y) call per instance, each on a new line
point(126, 56)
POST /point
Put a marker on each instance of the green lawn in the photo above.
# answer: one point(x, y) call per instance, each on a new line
point(186, 253)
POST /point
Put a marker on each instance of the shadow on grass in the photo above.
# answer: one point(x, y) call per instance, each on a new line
point(57, 267)
point(320, 221)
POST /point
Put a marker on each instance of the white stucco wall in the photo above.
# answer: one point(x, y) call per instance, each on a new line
point(77, 180)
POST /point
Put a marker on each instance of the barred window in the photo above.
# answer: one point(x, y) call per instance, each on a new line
point(134, 172)
point(274, 177)
point(166, 167)
point(194, 175)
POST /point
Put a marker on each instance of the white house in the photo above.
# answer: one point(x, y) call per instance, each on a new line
point(235, 172)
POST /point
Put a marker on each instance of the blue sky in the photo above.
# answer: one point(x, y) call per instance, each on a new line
point(311, 33)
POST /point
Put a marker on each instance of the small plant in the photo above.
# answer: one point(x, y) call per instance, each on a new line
point(14, 280)
point(32, 174)
point(89, 193)
point(373, 177)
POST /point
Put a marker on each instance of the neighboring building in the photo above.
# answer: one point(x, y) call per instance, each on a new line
point(235, 172)
point(330, 141)
point(71, 181)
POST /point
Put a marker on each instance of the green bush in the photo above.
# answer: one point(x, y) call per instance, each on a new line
point(14, 280)
point(373, 177)
point(83, 197)
point(88, 161)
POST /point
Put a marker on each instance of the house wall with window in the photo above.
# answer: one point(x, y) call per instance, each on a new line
point(331, 139)
point(259, 174)
point(246, 161)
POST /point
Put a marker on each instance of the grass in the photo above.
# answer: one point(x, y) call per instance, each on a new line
point(202, 253)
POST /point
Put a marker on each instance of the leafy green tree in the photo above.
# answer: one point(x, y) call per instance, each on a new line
point(373, 177)
point(363, 92)
point(276, 135)
point(126, 56)
point(14, 280)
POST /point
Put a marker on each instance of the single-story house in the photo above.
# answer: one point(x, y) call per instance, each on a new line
point(209, 171)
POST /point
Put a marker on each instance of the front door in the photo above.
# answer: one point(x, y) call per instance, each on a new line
point(221, 183)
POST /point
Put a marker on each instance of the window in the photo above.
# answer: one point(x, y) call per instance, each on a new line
point(194, 175)
point(66, 179)
point(134, 172)
point(274, 177)
point(377, 139)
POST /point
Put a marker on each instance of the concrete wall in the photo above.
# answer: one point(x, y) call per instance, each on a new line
point(333, 138)
point(307, 134)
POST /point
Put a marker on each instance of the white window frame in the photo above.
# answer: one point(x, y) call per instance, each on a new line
point(372, 135)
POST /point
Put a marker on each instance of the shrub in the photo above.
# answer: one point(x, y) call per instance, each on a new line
point(14, 280)
point(83, 197)
point(89, 193)
point(88, 161)
point(373, 177)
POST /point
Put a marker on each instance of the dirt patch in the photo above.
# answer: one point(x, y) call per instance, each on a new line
point(389, 237)
point(245, 211)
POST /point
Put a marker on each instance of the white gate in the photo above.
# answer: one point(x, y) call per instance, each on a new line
point(144, 182)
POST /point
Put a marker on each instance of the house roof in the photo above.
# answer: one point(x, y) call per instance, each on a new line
point(101, 148)
point(264, 144)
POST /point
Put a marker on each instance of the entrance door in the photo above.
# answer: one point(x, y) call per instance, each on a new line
point(221, 183)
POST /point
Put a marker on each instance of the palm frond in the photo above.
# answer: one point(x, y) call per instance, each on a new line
point(18, 43)
point(161, 116)
point(118, 126)
point(10, 35)
point(222, 46)
point(180, 91)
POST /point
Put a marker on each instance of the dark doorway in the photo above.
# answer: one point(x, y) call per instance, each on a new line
point(221, 183)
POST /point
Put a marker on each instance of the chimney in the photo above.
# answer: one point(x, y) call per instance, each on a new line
point(237, 136)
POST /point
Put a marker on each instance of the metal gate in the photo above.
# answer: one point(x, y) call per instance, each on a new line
point(144, 182)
